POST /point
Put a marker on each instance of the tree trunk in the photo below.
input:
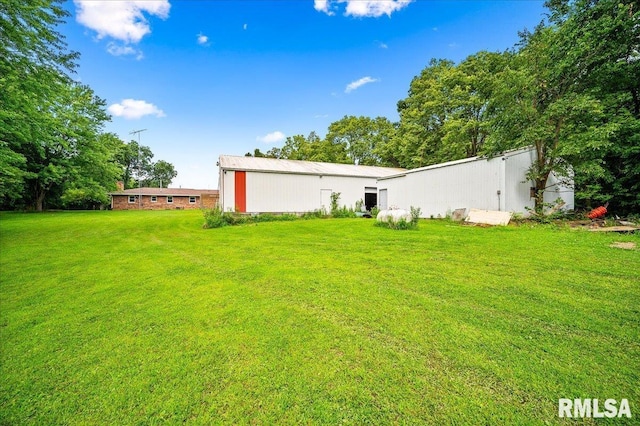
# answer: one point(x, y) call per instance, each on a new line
point(40, 200)
point(541, 185)
point(39, 193)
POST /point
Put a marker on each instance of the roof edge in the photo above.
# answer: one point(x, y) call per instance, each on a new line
point(506, 154)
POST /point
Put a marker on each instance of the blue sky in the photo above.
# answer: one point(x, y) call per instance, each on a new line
point(207, 78)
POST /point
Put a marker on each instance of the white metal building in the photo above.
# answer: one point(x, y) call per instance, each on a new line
point(262, 185)
point(489, 184)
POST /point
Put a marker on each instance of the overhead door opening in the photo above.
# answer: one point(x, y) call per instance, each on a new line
point(370, 197)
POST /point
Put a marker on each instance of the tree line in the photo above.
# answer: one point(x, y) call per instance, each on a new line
point(570, 88)
point(54, 152)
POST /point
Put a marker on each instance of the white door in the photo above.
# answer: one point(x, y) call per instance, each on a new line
point(325, 199)
point(382, 199)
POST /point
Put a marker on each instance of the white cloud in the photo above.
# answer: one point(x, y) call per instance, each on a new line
point(374, 8)
point(244, 27)
point(272, 137)
point(203, 40)
point(322, 6)
point(122, 50)
point(358, 83)
point(132, 109)
point(122, 20)
point(363, 8)
point(382, 45)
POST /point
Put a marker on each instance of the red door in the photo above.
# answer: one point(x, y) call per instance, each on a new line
point(241, 191)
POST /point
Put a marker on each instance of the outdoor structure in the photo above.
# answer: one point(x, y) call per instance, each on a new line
point(482, 183)
point(163, 199)
point(261, 185)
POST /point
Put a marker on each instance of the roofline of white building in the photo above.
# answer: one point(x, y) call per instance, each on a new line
point(504, 154)
point(301, 167)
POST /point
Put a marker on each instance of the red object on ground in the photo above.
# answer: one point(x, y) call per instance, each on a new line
point(597, 212)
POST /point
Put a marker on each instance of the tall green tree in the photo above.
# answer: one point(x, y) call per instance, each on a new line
point(136, 162)
point(423, 114)
point(296, 147)
point(61, 143)
point(162, 173)
point(74, 154)
point(310, 148)
point(137, 167)
point(535, 107)
point(11, 174)
point(34, 66)
point(362, 138)
point(93, 172)
point(598, 53)
point(571, 92)
point(49, 125)
point(471, 89)
point(447, 113)
point(256, 153)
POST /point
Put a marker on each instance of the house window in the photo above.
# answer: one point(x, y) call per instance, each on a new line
point(192, 200)
point(154, 199)
point(169, 199)
point(132, 198)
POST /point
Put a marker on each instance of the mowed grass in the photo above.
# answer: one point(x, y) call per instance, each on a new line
point(146, 318)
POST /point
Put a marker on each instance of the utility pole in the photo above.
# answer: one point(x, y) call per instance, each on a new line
point(137, 132)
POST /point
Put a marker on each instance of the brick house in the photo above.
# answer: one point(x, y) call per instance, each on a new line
point(163, 199)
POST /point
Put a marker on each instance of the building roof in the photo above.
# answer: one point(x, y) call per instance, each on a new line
point(505, 154)
point(175, 192)
point(274, 165)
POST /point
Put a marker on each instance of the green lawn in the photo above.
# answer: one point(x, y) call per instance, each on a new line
point(146, 318)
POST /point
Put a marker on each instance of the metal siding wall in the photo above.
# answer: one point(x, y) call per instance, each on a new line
point(517, 186)
point(325, 200)
point(228, 190)
point(351, 189)
point(441, 190)
point(280, 193)
point(396, 190)
point(518, 194)
point(220, 188)
point(557, 190)
point(502, 179)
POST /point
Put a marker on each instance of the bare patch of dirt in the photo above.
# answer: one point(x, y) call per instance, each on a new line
point(623, 245)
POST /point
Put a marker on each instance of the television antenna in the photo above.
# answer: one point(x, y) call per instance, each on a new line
point(137, 132)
